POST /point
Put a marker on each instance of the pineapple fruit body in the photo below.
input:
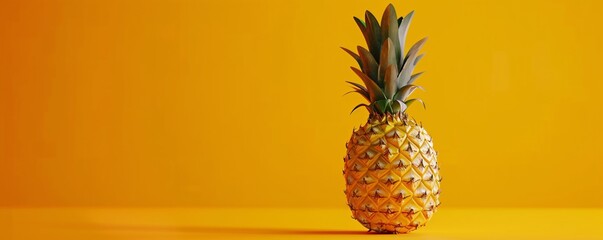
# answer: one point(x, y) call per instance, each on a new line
point(392, 175)
point(391, 169)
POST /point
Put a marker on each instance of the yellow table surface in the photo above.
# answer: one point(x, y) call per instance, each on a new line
point(196, 223)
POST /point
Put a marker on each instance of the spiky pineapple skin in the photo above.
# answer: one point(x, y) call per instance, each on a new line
point(391, 187)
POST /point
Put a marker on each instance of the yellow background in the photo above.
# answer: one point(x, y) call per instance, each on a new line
point(239, 103)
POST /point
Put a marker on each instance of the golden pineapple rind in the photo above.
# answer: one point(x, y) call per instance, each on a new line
point(390, 186)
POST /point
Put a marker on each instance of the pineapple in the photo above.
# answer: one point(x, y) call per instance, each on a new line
point(391, 169)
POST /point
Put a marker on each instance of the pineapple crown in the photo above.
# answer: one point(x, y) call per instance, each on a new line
point(385, 69)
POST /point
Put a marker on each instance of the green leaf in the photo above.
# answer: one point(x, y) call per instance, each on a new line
point(373, 34)
point(403, 92)
point(419, 58)
point(388, 57)
point(357, 85)
point(380, 77)
point(360, 89)
point(369, 66)
point(395, 106)
point(390, 80)
point(361, 105)
point(414, 77)
point(360, 24)
point(402, 31)
point(382, 105)
point(354, 55)
point(389, 29)
point(364, 93)
point(374, 91)
point(410, 101)
point(411, 56)
point(398, 106)
point(409, 62)
point(390, 106)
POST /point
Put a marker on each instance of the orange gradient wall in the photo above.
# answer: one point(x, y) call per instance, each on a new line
point(239, 103)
